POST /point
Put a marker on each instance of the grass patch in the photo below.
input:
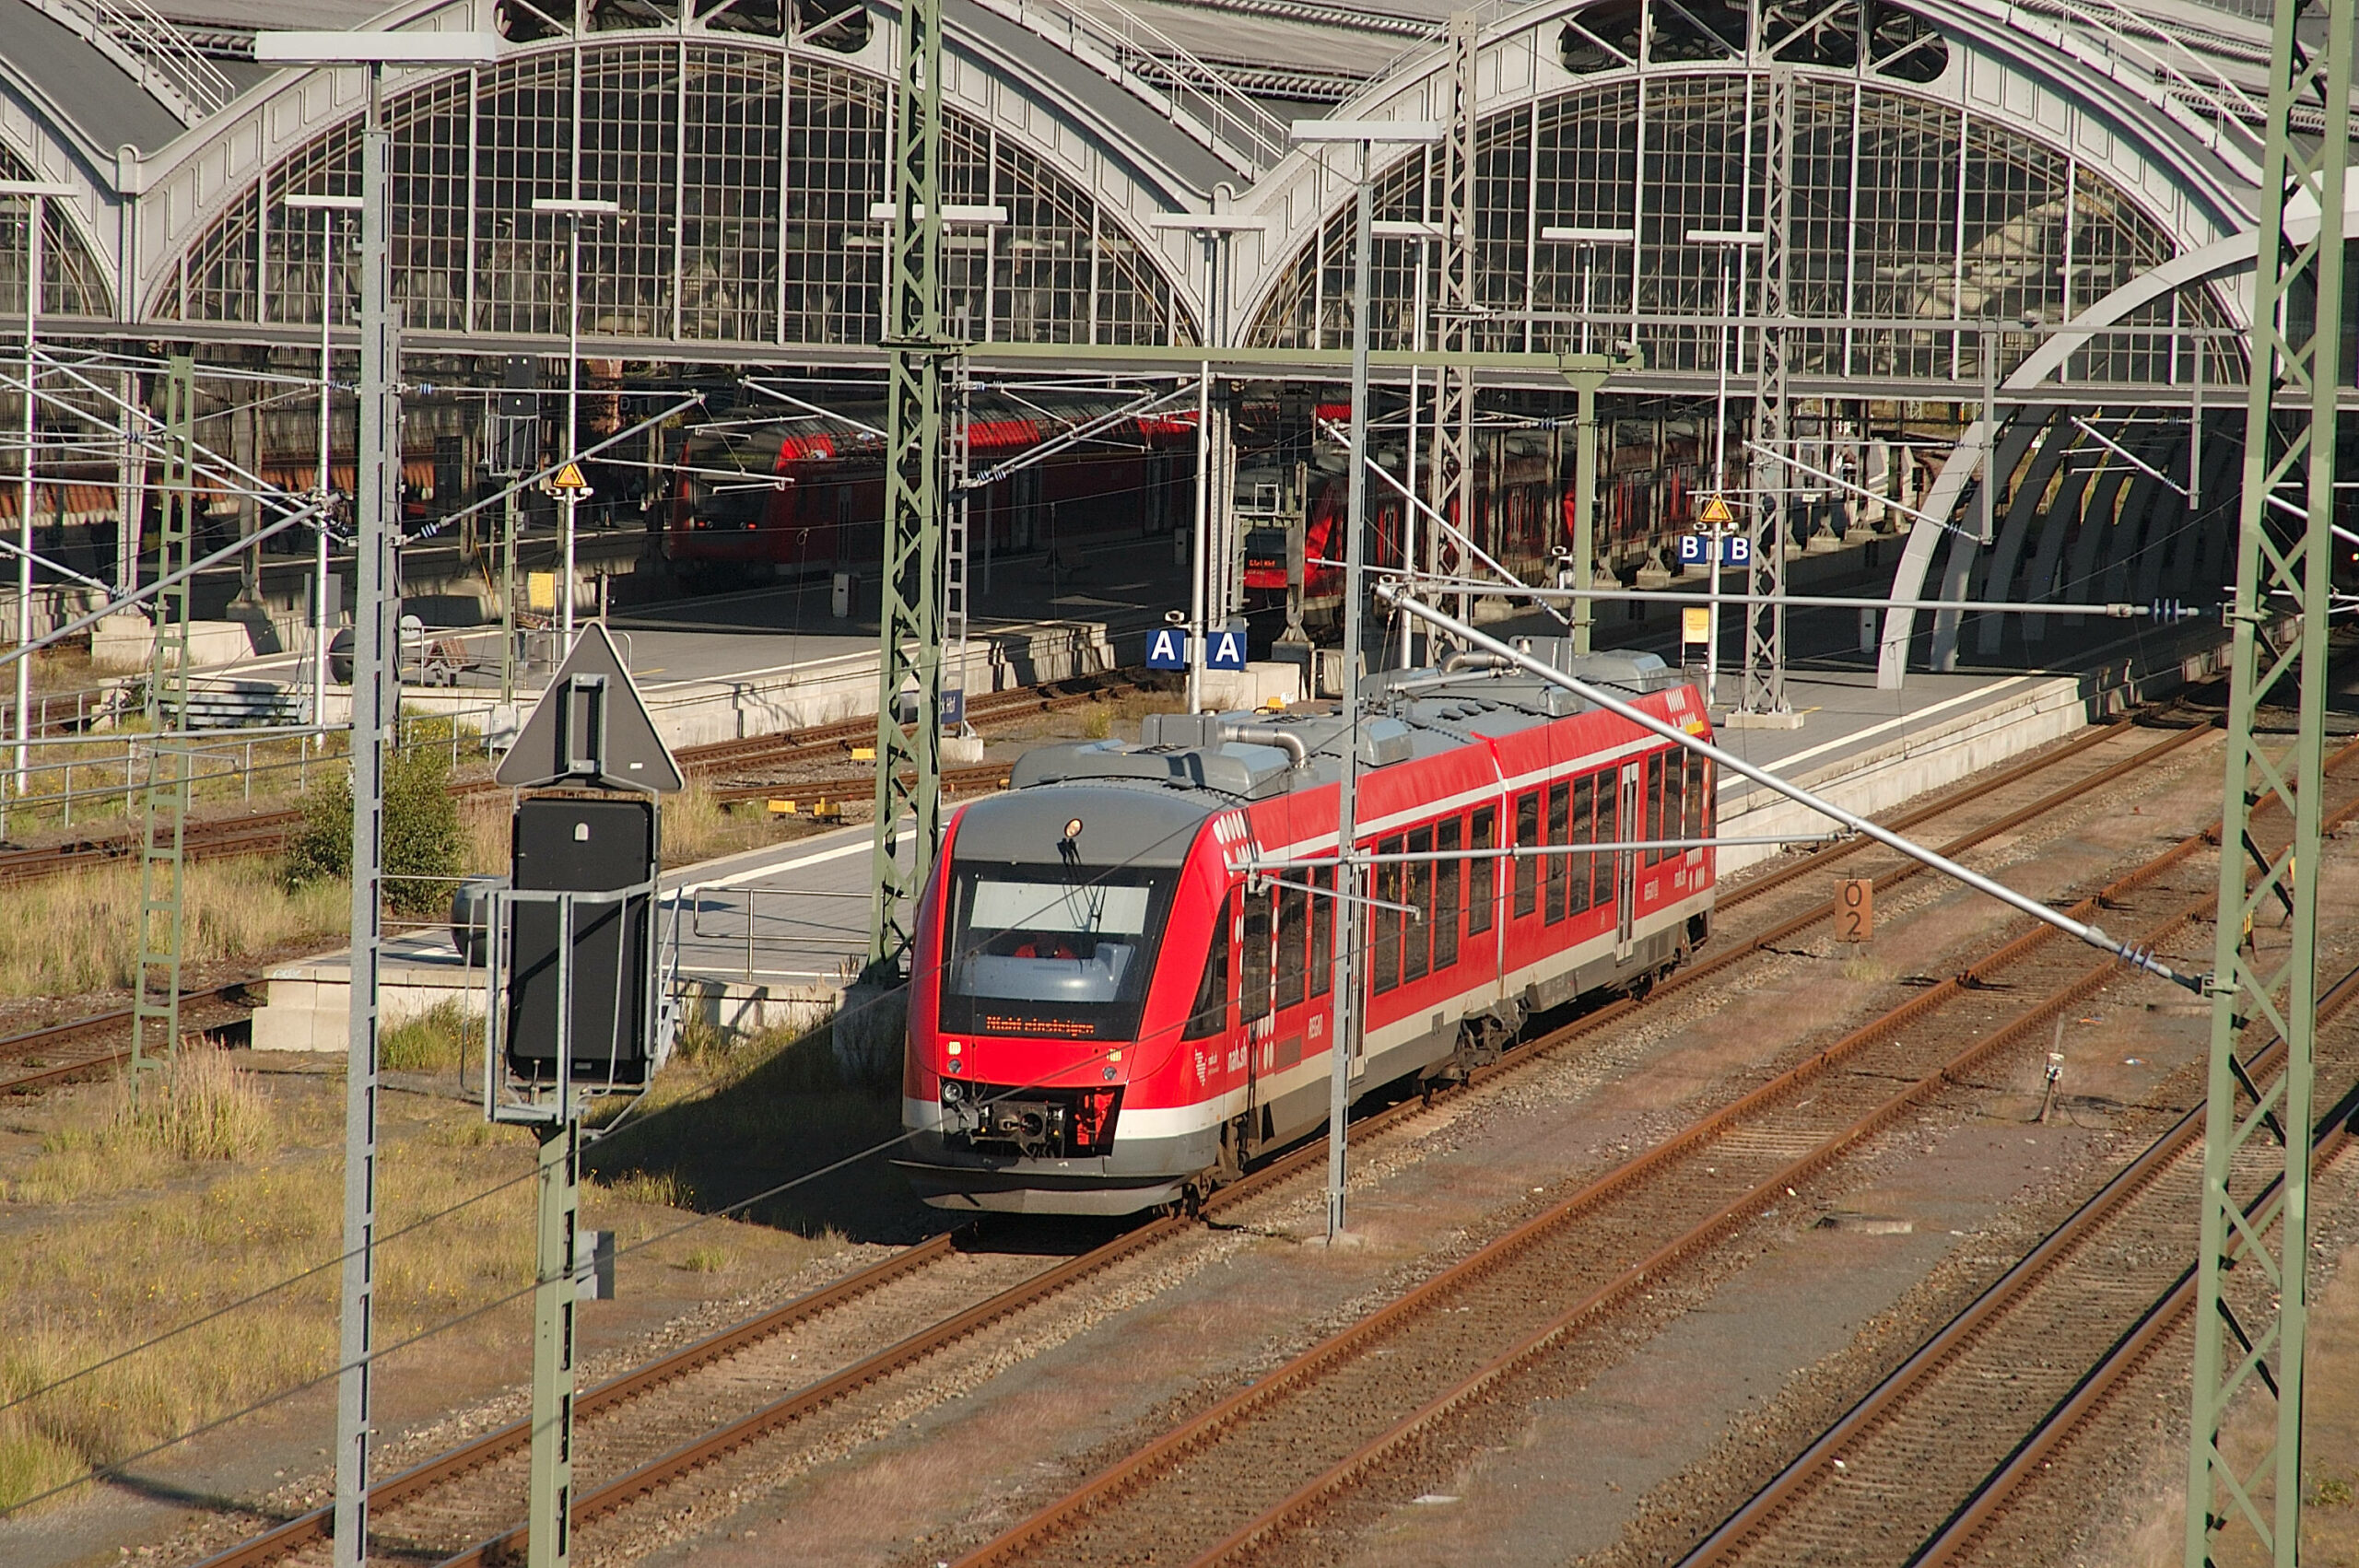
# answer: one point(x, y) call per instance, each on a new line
point(73, 935)
point(235, 1184)
point(446, 1037)
point(202, 1107)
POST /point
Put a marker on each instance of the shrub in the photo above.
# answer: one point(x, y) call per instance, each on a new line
point(425, 845)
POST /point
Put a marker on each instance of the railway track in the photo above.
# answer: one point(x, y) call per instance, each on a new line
point(267, 832)
point(1923, 1465)
point(1298, 1442)
point(42, 1058)
point(673, 1445)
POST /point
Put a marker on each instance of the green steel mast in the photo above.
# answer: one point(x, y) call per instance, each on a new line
point(909, 613)
point(2251, 1302)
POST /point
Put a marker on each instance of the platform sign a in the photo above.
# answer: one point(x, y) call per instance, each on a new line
point(1224, 651)
point(1166, 649)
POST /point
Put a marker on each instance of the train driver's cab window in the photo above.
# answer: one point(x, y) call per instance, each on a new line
point(1050, 949)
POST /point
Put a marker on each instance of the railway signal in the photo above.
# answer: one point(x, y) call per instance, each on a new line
point(574, 1006)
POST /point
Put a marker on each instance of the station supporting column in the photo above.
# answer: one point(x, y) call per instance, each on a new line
point(2250, 1324)
point(1761, 693)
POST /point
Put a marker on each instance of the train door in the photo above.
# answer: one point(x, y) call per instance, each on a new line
point(1626, 862)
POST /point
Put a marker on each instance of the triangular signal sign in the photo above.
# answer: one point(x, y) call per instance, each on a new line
point(1716, 511)
point(591, 727)
point(569, 478)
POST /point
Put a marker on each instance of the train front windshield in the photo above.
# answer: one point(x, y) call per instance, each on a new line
point(1056, 950)
point(716, 497)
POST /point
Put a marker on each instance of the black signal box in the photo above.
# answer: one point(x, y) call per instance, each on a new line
point(575, 844)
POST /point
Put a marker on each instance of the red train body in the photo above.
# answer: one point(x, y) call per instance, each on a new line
point(808, 494)
point(1125, 983)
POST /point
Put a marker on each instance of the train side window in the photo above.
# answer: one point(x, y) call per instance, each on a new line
point(1322, 930)
point(1583, 789)
point(1653, 788)
point(1527, 867)
point(1698, 799)
point(1209, 1017)
point(1447, 839)
point(1675, 800)
point(1293, 939)
point(1608, 831)
point(1480, 872)
point(1417, 933)
point(1384, 956)
point(1253, 964)
point(1559, 797)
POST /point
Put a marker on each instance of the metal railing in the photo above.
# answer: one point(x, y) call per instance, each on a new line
point(1193, 96)
point(156, 53)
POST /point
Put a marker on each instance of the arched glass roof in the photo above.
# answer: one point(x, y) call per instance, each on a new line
point(747, 176)
point(72, 281)
point(1915, 223)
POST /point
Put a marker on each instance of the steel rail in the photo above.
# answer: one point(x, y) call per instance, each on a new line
point(2124, 1356)
point(310, 1527)
point(34, 1042)
point(1728, 1542)
point(1109, 1485)
point(665, 1468)
point(315, 1525)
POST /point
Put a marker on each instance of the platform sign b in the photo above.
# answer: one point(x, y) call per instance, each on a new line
point(1855, 909)
point(1166, 649)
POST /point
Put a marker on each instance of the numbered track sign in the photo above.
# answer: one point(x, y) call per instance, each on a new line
point(1855, 909)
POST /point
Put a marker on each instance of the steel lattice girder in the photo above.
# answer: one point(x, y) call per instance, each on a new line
point(909, 623)
point(2263, 1135)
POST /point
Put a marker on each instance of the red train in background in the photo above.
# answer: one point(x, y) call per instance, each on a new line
point(805, 493)
point(1123, 991)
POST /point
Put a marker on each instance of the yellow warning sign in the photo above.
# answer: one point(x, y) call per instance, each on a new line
point(1716, 511)
point(569, 478)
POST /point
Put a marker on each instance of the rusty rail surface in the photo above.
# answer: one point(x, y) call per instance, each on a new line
point(1728, 1542)
point(1109, 1486)
point(314, 1525)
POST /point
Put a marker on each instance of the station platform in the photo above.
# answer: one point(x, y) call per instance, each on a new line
point(765, 659)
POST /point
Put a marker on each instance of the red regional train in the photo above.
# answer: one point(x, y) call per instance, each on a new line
point(806, 493)
point(1125, 987)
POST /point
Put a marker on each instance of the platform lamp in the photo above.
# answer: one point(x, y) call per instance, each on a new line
point(573, 209)
point(1730, 242)
point(35, 194)
point(1217, 231)
point(1425, 232)
point(1367, 136)
point(374, 705)
point(323, 614)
